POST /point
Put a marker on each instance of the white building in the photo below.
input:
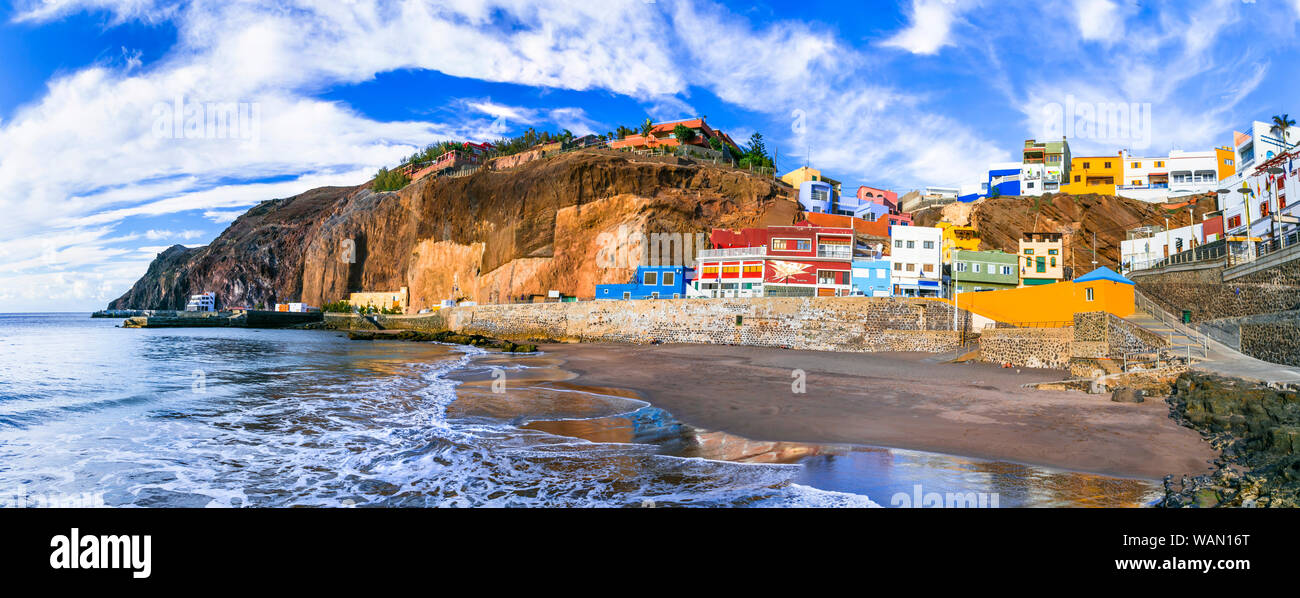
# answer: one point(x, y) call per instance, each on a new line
point(1161, 179)
point(1261, 143)
point(1148, 245)
point(916, 254)
point(203, 302)
point(1264, 198)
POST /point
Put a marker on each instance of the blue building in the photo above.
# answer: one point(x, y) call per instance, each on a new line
point(871, 278)
point(651, 282)
point(819, 196)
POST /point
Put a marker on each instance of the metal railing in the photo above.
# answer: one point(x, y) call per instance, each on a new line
point(1196, 342)
point(759, 251)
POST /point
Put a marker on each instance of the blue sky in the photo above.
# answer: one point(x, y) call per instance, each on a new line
point(95, 179)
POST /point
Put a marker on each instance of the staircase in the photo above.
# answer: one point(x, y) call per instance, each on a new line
point(1207, 354)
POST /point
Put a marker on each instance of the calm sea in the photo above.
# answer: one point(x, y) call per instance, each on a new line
point(237, 417)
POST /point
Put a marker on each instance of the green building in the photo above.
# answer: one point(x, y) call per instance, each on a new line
point(984, 270)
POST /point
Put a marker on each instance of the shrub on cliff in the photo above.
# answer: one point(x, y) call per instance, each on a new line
point(390, 180)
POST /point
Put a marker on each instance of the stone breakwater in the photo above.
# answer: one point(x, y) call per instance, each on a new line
point(856, 324)
point(1255, 427)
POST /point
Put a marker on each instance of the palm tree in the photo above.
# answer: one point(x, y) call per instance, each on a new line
point(1281, 124)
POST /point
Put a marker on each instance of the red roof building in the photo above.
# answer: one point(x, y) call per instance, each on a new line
point(777, 261)
point(662, 136)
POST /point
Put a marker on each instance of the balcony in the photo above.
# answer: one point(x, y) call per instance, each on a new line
point(759, 251)
point(835, 253)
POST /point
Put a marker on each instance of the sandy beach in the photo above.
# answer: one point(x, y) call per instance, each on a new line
point(899, 400)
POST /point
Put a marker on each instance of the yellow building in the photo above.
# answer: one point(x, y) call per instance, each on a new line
point(1227, 161)
point(803, 173)
point(1101, 290)
point(1042, 258)
point(397, 300)
point(1097, 174)
point(964, 238)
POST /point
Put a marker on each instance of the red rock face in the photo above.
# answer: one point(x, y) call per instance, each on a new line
point(494, 236)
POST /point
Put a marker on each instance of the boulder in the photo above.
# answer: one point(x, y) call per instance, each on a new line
point(1127, 395)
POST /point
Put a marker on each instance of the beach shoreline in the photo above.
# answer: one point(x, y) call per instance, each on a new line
point(912, 401)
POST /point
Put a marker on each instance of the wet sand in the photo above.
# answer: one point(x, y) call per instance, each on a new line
point(900, 400)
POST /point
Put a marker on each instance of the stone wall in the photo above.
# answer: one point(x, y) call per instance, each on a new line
point(1276, 341)
point(861, 324)
point(1028, 347)
point(1208, 297)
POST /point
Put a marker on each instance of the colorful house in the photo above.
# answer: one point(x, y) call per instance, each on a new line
point(957, 236)
point(917, 261)
point(1095, 174)
point(1099, 290)
point(1041, 257)
point(820, 197)
point(797, 177)
point(872, 278)
point(1046, 166)
point(980, 271)
point(650, 282)
point(777, 261)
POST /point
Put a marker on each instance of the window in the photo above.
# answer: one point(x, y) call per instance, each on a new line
point(650, 279)
point(1029, 251)
point(1041, 264)
point(730, 270)
point(1076, 178)
point(1087, 164)
point(898, 266)
point(1106, 165)
point(1053, 262)
point(1006, 270)
point(1031, 185)
point(911, 267)
point(1137, 165)
point(1227, 161)
point(976, 267)
point(791, 244)
point(898, 243)
point(709, 271)
point(1053, 252)
point(1090, 297)
point(654, 295)
point(1234, 221)
point(627, 295)
point(1029, 262)
point(911, 244)
point(1160, 164)
point(927, 268)
point(669, 278)
point(961, 266)
point(928, 244)
point(753, 270)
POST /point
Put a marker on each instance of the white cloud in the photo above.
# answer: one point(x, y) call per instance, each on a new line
point(930, 28)
point(1098, 20)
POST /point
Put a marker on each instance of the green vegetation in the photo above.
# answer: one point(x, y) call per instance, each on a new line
point(337, 307)
point(1281, 124)
point(756, 155)
point(390, 180)
point(684, 134)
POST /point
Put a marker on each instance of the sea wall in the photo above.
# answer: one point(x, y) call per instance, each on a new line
point(859, 324)
point(1027, 347)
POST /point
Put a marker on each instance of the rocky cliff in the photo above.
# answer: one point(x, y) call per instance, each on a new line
point(1002, 220)
point(496, 235)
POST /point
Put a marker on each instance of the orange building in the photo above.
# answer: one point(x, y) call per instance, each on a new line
point(661, 136)
point(1099, 290)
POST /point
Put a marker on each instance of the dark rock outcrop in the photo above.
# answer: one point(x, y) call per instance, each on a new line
point(1257, 430)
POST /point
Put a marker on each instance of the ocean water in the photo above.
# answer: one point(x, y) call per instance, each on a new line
point(277, 418)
